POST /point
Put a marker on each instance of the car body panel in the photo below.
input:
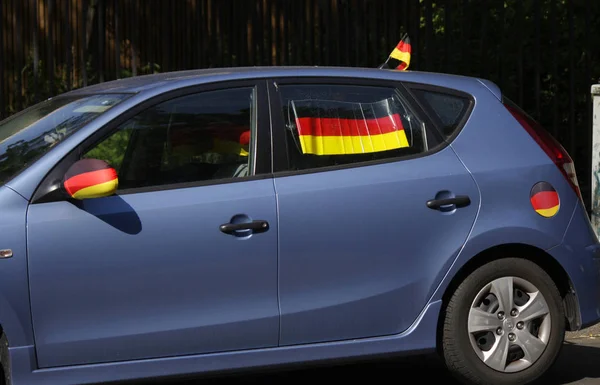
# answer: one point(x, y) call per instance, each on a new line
point(15, 315)
point(366, 267)
point(150, 275)
point(418, 339)
point(487, 146)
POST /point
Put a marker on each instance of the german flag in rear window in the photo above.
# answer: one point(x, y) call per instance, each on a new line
point(327, 127)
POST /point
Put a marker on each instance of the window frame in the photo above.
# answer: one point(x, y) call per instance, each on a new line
point(280, 151)
point(49, 189)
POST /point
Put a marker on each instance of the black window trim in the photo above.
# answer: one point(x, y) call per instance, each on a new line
point(49, 189)
point(280, 157)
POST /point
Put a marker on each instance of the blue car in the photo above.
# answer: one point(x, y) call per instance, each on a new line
point(223, 220)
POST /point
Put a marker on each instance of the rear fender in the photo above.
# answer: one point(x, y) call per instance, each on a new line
point(488, 240)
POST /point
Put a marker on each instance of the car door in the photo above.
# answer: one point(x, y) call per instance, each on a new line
point(158, 270)
point(365, 236)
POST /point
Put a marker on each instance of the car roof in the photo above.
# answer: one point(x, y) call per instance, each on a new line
point(171, 80)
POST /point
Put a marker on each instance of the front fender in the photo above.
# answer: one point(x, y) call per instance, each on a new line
point(15, 312)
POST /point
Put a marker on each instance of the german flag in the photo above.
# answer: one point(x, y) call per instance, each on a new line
point(90, 178)
point(399, 59)
point(340, 128)
point(544, 199)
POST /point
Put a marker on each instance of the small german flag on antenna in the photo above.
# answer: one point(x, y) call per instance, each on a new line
point(399, 59)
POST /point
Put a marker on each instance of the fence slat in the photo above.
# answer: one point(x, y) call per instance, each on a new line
point(587, 166)
point(83, 44)
point(3, 90)
point(50, 47)
point(429, 49)
point(36, 51)
point(100, 46)
point(537, 67)
point(18, 36)
point(554, 67)
point(572, 127)
point(68, 44)
point(117, 39)
point(519, 42)
point(483, 42)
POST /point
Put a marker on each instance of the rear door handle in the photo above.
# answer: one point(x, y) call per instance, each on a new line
point(458, 201)
point(257, 226)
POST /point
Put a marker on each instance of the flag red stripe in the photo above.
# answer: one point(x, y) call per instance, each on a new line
point(544, 200)
point(348, 127)
point(404, 47)
point(81, 181)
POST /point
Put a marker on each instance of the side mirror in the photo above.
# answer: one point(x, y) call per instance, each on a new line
point(90, 178)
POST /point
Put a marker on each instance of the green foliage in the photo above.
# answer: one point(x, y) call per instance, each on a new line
point(146, 69)
point(112, 149)
point(42, 87)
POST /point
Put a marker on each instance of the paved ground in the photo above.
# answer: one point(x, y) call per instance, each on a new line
point(593, 332)
point(579, 363)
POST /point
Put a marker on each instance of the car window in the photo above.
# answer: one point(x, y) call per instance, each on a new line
point(328, 125)
point(193, 138)
point(449, 109)
point(28, 135)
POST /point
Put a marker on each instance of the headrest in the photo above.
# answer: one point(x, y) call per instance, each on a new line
point(245, 138)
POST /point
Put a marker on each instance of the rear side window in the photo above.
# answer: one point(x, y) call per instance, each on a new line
point(448, 109)
point(329, 125)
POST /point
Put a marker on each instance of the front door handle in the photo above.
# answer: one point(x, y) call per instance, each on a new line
point(458, 201)
point(256, 226)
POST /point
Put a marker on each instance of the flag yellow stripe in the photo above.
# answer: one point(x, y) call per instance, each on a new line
point(97, 191)
point(340, 145)
point(400, 55)
point(548, 212)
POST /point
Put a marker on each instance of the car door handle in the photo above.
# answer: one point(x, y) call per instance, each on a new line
point(458, 201)
point(256, 226)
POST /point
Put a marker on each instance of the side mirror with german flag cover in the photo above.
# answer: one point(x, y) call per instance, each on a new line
point(90, 178)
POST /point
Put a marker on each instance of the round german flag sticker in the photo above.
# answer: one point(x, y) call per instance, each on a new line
point(544, 199)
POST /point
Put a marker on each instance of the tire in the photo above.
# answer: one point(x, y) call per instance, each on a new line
point(464, 316)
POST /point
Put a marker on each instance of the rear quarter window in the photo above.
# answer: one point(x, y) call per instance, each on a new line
point(448, 109)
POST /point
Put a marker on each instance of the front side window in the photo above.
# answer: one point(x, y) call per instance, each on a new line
point(193, 138)
point(329, 125)
point(27, 136)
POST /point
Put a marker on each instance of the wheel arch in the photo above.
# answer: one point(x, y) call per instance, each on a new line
point(518, 250)
point(5, 365)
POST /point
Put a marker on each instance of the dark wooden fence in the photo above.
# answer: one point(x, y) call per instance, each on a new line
point(543, 53)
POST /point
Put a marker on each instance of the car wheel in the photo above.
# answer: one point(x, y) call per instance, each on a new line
point(504, 324)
